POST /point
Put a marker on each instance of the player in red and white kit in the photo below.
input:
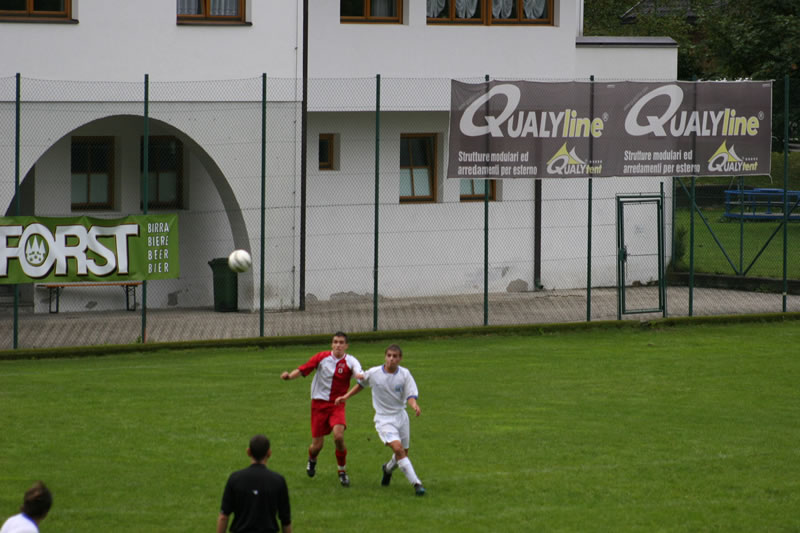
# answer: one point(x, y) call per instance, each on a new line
point(334, 369)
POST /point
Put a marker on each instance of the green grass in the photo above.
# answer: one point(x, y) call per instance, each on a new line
point(777, 172)
point(682, 429)
point(710, 259)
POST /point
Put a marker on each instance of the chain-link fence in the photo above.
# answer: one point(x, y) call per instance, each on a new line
point(371, 236)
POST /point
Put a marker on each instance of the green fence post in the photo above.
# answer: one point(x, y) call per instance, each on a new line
point(537, 234)
point(741, 225)
point(145, 188)
point(589, 219)
point(486, 242)
point(662, 284)
point(620, 275)
point(786, 87)
point(691, 249)
point(674, 205)
point(485, 252)
point(589, 255)
point(263, 197)
point(16, 199)
point(301, 302)
point(377, 200)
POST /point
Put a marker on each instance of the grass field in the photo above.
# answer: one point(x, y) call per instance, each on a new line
point(683, 429)
point(710, 259)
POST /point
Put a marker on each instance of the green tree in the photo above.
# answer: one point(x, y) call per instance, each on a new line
point(757, 39)
point(718, 39)
point(670, 18)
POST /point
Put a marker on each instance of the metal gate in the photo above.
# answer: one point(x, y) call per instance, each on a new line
point(640, 255)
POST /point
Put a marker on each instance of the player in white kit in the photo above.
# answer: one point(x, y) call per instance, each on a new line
point(35, 506)
point(392, 387)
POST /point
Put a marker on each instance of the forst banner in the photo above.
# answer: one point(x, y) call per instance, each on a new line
point(137, 247)
point(521, 129)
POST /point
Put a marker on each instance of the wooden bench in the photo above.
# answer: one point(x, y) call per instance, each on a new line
point(54, 289)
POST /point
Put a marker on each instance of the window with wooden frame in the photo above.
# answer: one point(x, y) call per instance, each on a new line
point(475, 190)
point(418, 167)
point(327, 151)
point(371, 10)
point(36, 9)
point(92, 165)
point(164, 171)
point(200, 11)
point(491, 11)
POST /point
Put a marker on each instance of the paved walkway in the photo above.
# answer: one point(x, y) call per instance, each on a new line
point(356, 314)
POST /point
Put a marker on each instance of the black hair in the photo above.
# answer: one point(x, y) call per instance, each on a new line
point(259, 447)
point(394, 348)
point(341, 334)
point(37, 501)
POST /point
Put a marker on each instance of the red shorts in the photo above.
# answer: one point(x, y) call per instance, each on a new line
point(325, 415)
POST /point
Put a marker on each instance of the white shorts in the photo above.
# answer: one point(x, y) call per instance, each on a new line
point(394, 427)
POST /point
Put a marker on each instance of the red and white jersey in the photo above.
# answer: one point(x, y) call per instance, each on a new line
point(333, 375)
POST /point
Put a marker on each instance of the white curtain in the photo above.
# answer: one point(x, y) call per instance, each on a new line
point(383, 8)
point(225, 8)
point(465, 9)
point(189, 7)
point(435, 8)
point(535, 9)
point(219, 8)
point(501, 9)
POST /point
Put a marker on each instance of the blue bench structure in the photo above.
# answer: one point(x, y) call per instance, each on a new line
point(760, 204)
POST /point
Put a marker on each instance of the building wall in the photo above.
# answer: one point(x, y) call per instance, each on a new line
point(425, 249)
point(416, 49)
point(121, 41)
point(204, 229)
point(630, 62)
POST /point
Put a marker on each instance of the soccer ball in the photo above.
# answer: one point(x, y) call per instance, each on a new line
point(239, 261)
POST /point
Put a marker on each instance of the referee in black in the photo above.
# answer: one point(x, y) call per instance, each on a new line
point(255, 495)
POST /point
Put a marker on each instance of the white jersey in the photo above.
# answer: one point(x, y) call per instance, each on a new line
point(19, 523)
point(390, 392)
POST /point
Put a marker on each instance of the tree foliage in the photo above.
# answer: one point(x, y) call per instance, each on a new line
point(718, 39)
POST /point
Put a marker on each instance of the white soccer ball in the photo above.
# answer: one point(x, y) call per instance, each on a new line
point(239, 261)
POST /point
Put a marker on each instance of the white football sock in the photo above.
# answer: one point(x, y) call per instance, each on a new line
point(392, 464)
point(408, 470)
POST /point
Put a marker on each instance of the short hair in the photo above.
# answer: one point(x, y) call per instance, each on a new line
point(341, 334)
point(259, 447)
point(394, 348)
point(37, 501)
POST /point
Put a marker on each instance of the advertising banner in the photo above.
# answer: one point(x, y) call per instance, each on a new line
point(137, 247)
point(520, 129)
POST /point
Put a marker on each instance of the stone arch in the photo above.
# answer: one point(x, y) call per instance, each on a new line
point(57, 132)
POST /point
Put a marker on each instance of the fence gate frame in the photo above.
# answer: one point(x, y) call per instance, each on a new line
point(622, 251)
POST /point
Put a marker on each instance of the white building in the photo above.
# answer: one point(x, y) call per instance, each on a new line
point(83, 64)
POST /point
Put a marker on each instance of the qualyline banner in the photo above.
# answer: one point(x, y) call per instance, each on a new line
point(520, 129)
point(137, 247)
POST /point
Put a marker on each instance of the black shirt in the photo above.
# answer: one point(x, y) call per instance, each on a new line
point(255, 495)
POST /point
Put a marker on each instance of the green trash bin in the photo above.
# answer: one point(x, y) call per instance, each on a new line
point(226, 286)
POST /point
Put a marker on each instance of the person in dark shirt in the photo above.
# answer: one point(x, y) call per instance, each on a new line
point(256, 495)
